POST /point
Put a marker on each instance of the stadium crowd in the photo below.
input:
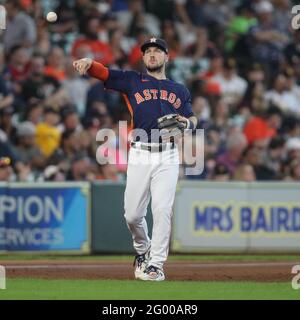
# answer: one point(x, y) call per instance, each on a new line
point(240, 60)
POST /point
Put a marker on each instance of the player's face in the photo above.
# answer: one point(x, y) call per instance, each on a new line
point(154, 59)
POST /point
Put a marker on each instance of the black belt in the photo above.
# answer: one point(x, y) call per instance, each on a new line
point(159, 147)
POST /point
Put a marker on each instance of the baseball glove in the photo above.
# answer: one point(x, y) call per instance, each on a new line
point(169, 126)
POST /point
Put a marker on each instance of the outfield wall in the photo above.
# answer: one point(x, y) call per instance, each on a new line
point(208, 217)
point(236, 217)
point(109, 230)
point(45, 217)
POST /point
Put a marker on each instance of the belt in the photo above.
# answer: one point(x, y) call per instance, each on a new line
point(158, 147)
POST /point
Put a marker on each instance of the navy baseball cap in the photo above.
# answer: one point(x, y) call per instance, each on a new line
point(155, 42)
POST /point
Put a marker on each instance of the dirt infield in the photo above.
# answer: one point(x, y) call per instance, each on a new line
point(187, 270)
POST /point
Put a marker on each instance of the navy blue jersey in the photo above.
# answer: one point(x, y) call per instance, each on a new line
point(148, 98)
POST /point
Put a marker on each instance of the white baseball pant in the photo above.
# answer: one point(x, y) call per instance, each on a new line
point(152, 174)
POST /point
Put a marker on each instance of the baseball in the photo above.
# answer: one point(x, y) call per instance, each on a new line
point(51, 16)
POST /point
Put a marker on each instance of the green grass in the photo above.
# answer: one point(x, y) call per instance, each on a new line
point(203, 257)
point(18, 288)
point(138, 290)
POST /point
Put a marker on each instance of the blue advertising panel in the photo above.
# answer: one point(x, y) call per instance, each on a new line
point(44, 218)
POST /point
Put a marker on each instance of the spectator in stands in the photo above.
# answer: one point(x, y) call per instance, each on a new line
point(119, 54)
point(100, 50)
point(220, 173)
point(34, 113)
point(291, 96)
point(254, 98)
point(202, 50)
point(215, 68)
point(6, 124)
point(230, 96)
point(20, 29)
point(293, 149)
point(213, 141)
point(235, 145)
point(244, 172)
point(77, 89)
point(263, 128)
point(295, 170)
point(283, 15)
point(240, 25)
point(69, 148)
point(233, 87)
point(56, 63)
point(6, 149)
point(87, 143)
point(255, 157)
point(70, 18)
point(275, 155)
point(201, 109)
point(291, 128)
point(275, 95)
point(136, 18)
point(43, 42)
point(163, 10)
point(53, 173)
point(18, 67)
point(292, 49)
point(170, 35)
point(39, 87)
point(6, 97)
point(220, 115)
point(109, 172)
point(80, 169)
point(47, 134)
point(267, 40)
point(70, 120)
point(92, 125)
point(5, 169)
point(135, 54)
point(2, 59)
point(191, 12)
point(26, 149)
point(96, 100)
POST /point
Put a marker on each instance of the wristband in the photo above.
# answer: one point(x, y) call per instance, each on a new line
point(190, 125)
point(97, 70)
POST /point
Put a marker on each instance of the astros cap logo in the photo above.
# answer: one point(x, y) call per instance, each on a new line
point(160, 43)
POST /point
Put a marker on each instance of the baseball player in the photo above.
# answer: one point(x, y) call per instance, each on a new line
point(151, 98)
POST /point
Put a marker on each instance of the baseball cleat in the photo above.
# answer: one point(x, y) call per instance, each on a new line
point(141, 262)
point(152, 273)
